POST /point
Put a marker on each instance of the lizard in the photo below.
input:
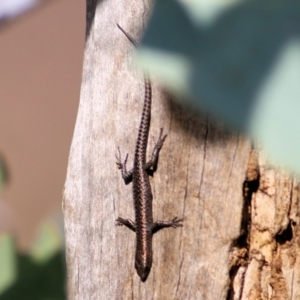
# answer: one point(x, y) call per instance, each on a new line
point(144, 227)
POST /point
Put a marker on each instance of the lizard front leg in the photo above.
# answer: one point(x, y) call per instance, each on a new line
point(164, 224)
point(127, 222)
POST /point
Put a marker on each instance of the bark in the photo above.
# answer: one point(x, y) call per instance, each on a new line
point(265, 261)
point(239, 239)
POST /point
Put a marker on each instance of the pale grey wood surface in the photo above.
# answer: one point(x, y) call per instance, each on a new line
point(200, 178)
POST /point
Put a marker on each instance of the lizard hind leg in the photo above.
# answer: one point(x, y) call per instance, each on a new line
point(151, 165)
point(126, 175)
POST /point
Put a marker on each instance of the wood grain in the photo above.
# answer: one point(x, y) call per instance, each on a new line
point(233, 244)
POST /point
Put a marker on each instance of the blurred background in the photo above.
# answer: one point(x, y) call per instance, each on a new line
point(254, 87)
point(41, 57)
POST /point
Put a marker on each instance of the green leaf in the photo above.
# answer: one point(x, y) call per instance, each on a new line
point(38, 281)
point(3, 173)
point(8, 265)
point(276, 117)
point(221, 57)
point(41, 273)
point(48, 243)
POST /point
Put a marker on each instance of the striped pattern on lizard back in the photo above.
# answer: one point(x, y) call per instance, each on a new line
point(144, 227)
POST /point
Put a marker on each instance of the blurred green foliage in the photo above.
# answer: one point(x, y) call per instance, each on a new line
point(8, 262)
point(35, 281)
point(4, 178)
point(38, 275)
point(239, 61)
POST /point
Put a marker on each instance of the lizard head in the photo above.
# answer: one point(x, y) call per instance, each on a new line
point(143, 265)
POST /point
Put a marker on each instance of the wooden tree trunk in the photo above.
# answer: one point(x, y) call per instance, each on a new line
point(240, 238)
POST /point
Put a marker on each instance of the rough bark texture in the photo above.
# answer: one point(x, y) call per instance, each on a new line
point(265, 260)
point(239, 239)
